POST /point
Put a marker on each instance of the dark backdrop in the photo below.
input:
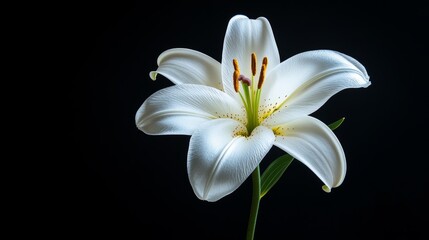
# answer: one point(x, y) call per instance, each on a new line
point(113, 180)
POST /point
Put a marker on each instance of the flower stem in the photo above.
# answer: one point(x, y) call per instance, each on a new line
point(256, 180)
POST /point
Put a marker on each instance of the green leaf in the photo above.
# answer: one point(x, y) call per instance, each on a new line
point(273, 173)
point(336, 124)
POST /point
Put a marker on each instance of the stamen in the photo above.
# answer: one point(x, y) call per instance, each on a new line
point(262, 75)
point(250, 95)
point(263, 71)
point(235, 63)
point(265, 61)
point(236, 77)
point(253, 64)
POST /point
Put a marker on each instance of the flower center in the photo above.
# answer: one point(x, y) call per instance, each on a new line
point(250, 93)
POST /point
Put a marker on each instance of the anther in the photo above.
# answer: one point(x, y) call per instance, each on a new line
point(236, 77)
point(235, 63)
point(262, 75)
point(265, 61)
point(253, 64)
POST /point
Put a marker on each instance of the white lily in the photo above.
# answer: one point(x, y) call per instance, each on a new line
point(235, 111)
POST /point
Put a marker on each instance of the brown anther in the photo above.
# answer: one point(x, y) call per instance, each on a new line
point(253, 64)
point(262, 75)
point(265, 61)
point(235, 63)
point(236, 81)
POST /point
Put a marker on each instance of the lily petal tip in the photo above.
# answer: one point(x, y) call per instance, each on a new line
point(152, 75)
point(326, 189)
point(368, 82)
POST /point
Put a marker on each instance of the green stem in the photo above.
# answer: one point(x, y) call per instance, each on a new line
point(256, 180)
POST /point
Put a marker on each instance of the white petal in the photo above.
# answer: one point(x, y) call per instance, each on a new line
point(243, 37)
point(180, 109)
point(181, 65)
point(312, 142)
point(308, 80)
point(220, 160)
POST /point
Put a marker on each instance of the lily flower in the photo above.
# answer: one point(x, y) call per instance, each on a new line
point(236, 110)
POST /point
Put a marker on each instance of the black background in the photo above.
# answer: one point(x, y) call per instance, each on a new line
point(113, 180)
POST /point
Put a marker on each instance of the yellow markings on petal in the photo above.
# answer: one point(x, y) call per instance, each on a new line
point(253, 64)
point(282, 130)
point(240, 131)
point(278, 131)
